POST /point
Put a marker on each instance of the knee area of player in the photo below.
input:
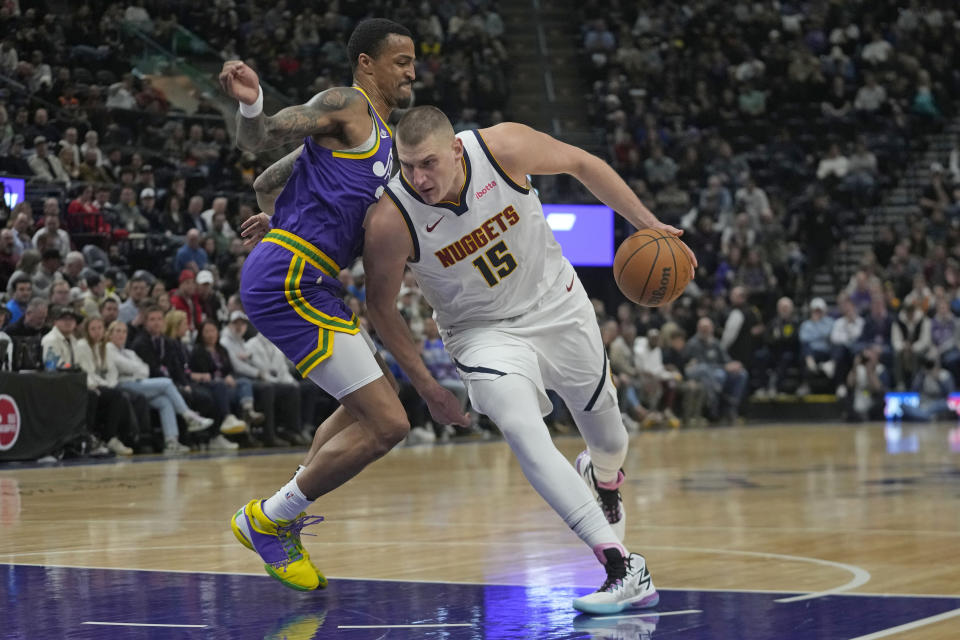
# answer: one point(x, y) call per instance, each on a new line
point(391, 432)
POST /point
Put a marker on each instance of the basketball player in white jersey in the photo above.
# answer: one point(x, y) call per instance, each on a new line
point(512, 313)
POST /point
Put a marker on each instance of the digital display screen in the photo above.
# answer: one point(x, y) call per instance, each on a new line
point(896, 401)
point(14, 190)
point(584, 231)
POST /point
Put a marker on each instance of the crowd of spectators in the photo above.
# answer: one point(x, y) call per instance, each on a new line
point(123, 261)
point(768, 131)
point(712, 113)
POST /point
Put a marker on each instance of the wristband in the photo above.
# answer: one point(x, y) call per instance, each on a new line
point(255, 109)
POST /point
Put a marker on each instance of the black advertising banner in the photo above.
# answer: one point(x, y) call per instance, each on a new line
point(40, 412)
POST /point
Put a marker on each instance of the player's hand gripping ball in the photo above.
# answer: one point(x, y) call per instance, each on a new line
point(652, 267)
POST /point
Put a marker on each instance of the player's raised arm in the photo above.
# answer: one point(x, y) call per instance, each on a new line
point(387, 245)
point(257, 131)
point(521, 150)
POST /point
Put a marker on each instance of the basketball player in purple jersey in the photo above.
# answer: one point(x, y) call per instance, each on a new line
point(289, 283)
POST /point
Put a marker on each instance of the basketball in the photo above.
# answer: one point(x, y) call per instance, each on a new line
point(652, 268)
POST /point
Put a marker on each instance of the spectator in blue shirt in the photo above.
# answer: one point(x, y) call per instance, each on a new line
point(22, 291)
point(815, 348)
point(191, 255)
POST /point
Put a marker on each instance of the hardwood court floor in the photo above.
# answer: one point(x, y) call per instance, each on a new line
point(790, 509)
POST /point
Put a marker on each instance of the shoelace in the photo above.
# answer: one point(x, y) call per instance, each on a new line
point(289, 535)
point(610, 503)
point(616, 573)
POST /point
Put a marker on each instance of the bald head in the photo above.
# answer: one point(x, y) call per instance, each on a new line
point(420, 123)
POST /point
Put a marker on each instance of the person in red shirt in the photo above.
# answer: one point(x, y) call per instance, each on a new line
point(186, 299)
point(84, 214)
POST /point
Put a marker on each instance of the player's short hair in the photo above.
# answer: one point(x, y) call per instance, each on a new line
point(369, 37)
point(420, 122)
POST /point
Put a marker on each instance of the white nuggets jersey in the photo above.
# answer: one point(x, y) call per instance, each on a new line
point(489, 256)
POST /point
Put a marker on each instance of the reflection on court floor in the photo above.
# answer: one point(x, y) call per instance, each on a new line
point(51, 602)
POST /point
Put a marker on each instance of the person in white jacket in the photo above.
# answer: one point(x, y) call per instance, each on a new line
point(275, 399)
point(274, 368)
point(114, 408)
point(134, 376)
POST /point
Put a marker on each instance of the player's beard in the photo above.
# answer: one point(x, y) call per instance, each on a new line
point(405, 102)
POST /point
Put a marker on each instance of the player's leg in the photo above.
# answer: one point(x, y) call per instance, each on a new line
point(272, 526)
point(340, 419)
point(513, 402)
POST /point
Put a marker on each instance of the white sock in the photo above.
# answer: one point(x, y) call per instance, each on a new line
point(591, 526)
point(286, 504)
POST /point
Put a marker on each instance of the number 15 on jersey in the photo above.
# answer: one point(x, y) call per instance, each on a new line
point(495, 264)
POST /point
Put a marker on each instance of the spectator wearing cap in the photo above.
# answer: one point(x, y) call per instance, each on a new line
point(147, 180)
point(48, 272)
point(59, 345)
point(55, 237)
point(148, 209)
point(265, 390)
point(22, 292)
point(191, 254)
point(211, 300)
point(186, 299)
point(94, 296)
point(45, 166)
point(815, 348)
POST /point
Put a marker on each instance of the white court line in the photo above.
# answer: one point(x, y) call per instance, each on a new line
point(142, 624)
point(860, 576)
point(647, 615)
point(399, 626)
point(910, 625)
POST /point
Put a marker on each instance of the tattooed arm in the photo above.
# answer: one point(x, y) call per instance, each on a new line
point(323, 114)
point(271, 182)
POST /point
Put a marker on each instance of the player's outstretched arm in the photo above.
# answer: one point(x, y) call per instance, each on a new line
point(256, 131)
point(521, 150)
point(387, 245)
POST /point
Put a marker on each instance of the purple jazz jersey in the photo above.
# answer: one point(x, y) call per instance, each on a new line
point(289, 284)
point(329, 192)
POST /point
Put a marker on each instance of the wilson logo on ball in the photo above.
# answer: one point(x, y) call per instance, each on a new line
point(657, 296)
point(9, 422)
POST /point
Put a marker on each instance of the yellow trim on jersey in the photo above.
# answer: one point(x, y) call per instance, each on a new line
point(297, 245)
point(503, 171)
point(291, 290)
point(379, 117)
point(323, 351)
point(361, 155)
